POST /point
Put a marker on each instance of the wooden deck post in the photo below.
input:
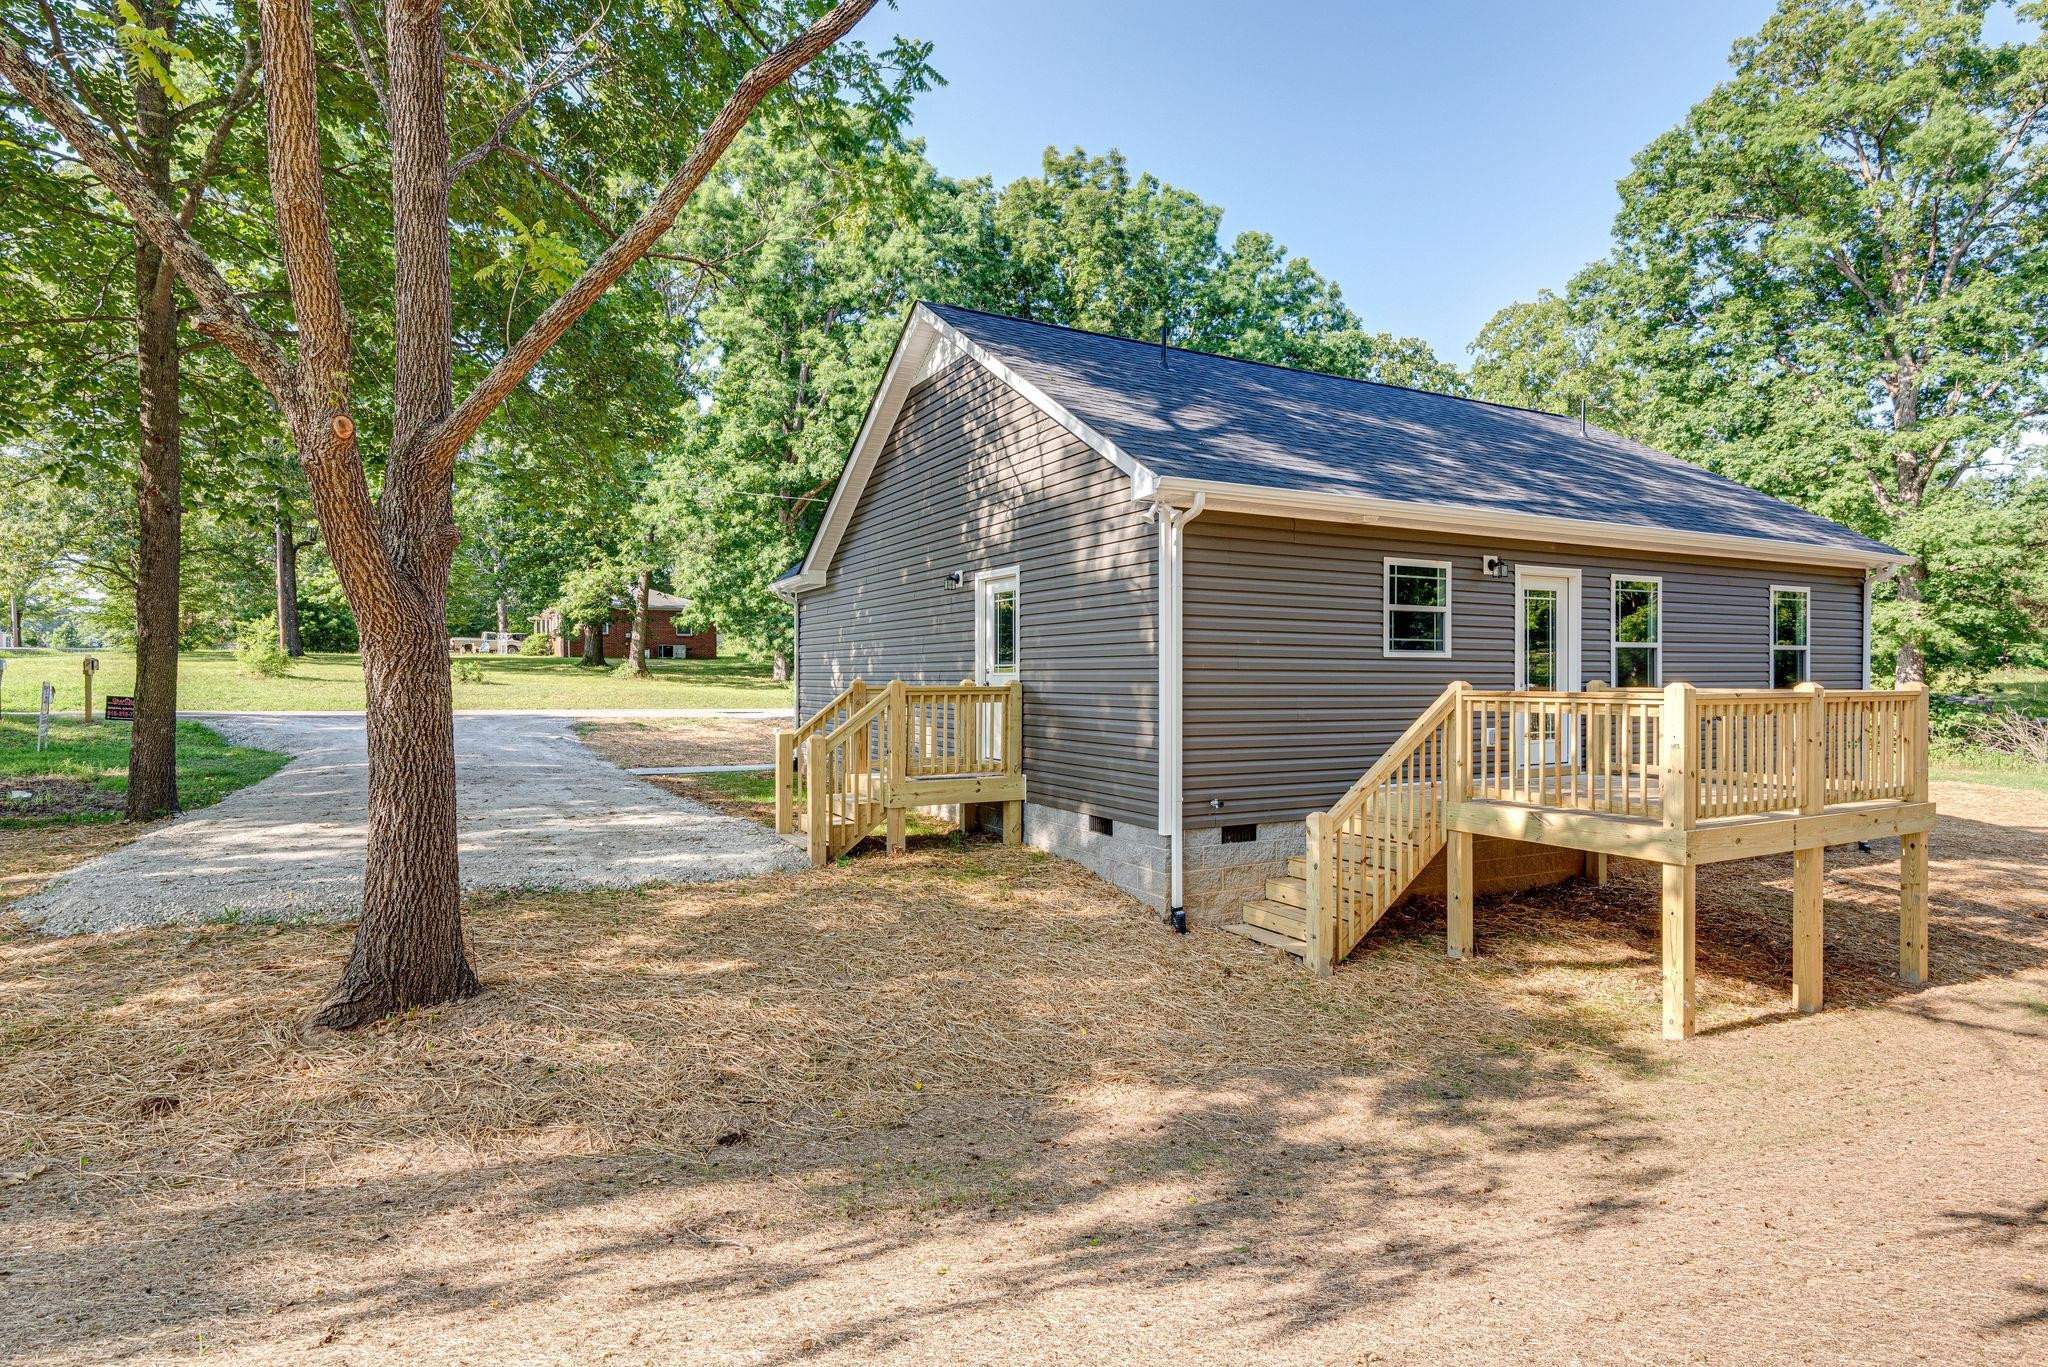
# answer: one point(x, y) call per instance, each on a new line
point(1913, 850)
point(1913, 908)
point(1013, 761)
point(898, 714)
point(817, 802)
point(1320, 915)
point(1678, 782)
point(1806, 929)
point(1808, 864)
point(1678, 776)
point(785, 782)
point(1678, 920)
point(1458, 894)
point(1458, 844)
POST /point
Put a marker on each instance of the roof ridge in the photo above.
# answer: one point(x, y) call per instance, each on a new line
point(1288, 369)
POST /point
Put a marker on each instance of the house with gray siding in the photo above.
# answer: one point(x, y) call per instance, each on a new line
point(1226, 588)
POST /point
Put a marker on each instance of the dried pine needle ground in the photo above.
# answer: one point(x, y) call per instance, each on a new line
point(902, 1040)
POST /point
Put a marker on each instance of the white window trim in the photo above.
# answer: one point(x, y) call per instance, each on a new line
point(984, 629)
point(1569, 628)
point(1771, 633)
point(1387, 607)
point(1614, 641)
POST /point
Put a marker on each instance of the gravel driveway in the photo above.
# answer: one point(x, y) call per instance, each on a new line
point(538, 810)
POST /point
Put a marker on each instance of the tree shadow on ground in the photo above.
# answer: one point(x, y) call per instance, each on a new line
point(851, 1069)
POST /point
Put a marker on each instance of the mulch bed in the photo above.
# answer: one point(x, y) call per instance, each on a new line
point(55, 798)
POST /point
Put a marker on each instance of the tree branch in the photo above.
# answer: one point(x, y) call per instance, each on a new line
point(363, 56)
point(221, 314)
point(63, 57)
point(638, 240)
point(553, 78)
point(234, 102)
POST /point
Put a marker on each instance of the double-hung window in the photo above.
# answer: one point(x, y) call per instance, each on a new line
point(1418, 607)
point(1790, 656)
point(1638, 632)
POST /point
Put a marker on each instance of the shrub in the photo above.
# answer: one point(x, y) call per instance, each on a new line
point(1953, 725)
point(469, 672)
point(537, 643)
point(257, 652)
point(2014, 734)
point(326, 625)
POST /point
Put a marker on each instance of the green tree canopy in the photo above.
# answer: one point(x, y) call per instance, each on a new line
point(1832, 279)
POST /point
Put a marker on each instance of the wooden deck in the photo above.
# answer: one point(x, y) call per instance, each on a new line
point(1677, 777)
point(871, 755)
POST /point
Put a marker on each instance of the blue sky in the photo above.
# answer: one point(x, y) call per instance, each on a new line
point(1437, 158)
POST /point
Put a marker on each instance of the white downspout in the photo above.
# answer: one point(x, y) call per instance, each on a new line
point(1869, 596)
point(1172, 560)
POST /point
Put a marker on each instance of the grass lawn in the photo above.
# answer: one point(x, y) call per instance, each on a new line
point(82, 774)
point(2026, 689)
point(208, 681)
point(972, 1104)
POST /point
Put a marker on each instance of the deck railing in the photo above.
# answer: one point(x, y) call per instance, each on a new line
point(1369, 846)
point(870, 750)
point(1738, 752)
point(1675, 756)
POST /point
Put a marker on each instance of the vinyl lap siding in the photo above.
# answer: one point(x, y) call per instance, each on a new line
point(975, 478)
point(1289, 698)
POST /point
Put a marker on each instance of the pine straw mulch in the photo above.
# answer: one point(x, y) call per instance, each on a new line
point(678, 741)
point(31, 856)
point(972, 1103)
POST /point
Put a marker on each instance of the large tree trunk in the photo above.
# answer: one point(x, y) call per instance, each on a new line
point(14, 619)
point(501, 616)
point(408, 948)
point(637, 661)
point(153, 747)
point(1909, 663)
point(593, 643)
point(781, 674)
point(286, 554)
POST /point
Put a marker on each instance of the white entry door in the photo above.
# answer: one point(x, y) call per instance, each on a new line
point(995, 626)
point(1546, 656)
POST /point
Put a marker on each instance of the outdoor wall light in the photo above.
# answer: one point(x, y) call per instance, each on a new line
point(1495, 567)
point(956, 579)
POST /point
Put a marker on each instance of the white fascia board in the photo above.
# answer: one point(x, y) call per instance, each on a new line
point(1469, 521)
point(905, 366)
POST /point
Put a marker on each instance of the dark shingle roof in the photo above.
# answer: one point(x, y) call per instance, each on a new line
point(1206, 417)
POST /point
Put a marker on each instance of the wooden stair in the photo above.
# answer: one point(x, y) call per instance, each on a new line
point(1280, 918)
point(867, 758)
point(1365, 852)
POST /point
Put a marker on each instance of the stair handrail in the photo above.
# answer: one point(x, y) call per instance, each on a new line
point(1325, 828)
point(819, 785)
point(790, 745)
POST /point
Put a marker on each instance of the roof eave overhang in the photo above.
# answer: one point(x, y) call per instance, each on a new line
point(1222, 496)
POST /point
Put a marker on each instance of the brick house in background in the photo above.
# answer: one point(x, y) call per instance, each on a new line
point(669, 631)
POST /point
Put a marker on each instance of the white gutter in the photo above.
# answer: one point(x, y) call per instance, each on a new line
point(1466, 520)
point(1172, 560)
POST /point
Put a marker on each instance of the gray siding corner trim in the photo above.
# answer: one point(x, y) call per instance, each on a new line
point(1290, 695)
point(972, 477)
